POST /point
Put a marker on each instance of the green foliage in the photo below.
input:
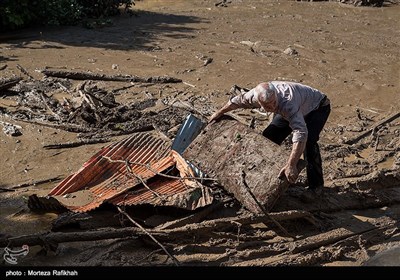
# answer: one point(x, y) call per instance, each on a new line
point(103, 8)
point(16, 14)
point(60, 12)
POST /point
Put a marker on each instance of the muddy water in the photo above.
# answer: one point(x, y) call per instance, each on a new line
point(369, 155)
point(15, 216)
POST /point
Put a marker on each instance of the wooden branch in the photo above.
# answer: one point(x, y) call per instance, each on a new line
point(130, 172)
point(194, 218)
point(34, 183)
point(186, 231)
point(103, 77)
point(176, 262)
point(62, 237)
point(375, 126)
point(20, 68)
point(76, 143)
point(10, 82)
point(44, 98)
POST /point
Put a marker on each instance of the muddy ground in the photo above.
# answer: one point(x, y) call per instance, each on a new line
point(350, 53)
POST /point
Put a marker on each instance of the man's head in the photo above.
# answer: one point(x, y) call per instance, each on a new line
point(266, 97)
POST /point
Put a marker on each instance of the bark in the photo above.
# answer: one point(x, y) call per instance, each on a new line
point(103, 77)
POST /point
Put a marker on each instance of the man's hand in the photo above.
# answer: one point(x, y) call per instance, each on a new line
point(215, 117)
point(226, 108)
point(291, 173)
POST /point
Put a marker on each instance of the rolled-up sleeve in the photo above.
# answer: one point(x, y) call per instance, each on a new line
point(299, 127)
point(246, 100)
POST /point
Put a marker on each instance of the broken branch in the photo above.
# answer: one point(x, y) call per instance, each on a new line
point(176, 262)
point(76, 144)
point(103, 77)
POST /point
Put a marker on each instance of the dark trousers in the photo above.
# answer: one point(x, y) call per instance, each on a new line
point(279, 129)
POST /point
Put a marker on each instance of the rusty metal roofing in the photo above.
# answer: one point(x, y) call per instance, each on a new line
point(130, 172)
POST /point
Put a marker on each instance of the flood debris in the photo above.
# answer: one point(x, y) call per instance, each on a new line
point(88, 109)
point(94, 76)
point(11, 129)
point(6, 83)
point(141, 169)
point(241, 160)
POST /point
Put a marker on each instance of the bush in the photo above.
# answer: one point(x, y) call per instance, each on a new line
point(16, 14)
point(60, 12)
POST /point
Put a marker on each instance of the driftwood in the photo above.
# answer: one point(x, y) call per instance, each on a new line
point(373, 128)
point(103, 77)
point(76, 144)
point(34, 183)
point(168, 235)
point(10, 82)
point(194, 218)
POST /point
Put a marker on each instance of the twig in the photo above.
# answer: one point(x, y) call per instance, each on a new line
point(34, 183)
point(155, 172)
point(262, 207)
point(44, 97)
point(129, 169)
point(114, 91)
point(193, 86)
point(176, 262)
point(76, 144)
point(20, 68)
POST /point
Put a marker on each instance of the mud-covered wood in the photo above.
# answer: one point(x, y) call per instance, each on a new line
point(9, 82)
point(227, 149)
point(103, 77)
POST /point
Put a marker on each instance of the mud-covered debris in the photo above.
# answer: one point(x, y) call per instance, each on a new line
point(240, 159)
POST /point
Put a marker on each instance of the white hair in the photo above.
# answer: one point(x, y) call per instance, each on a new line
point(263, 93)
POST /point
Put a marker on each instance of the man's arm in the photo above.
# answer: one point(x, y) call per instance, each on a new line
point(229, 106)
point(290, 169)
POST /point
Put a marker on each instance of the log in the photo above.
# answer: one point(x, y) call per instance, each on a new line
point(9, 82)
point(172, 234)
point(227, 148)
point(76, 143)
point(103, 77)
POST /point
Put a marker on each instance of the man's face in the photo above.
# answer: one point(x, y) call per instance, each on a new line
point(269, 105)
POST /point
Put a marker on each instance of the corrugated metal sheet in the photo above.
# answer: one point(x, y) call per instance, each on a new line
point(127, 172)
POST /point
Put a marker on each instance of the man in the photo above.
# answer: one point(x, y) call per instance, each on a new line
point(297, 108)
